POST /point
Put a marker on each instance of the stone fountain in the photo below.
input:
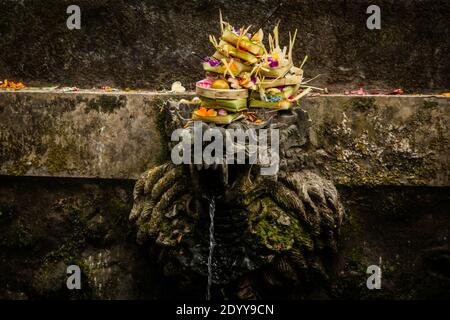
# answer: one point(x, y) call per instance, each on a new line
point(273, 233)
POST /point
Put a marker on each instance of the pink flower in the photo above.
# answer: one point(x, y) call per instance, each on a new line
point(205, 83)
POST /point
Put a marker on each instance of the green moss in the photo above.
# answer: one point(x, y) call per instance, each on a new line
point(427, 104)
point(362, 148)
point(20, 167)
point(351, 225)
point(272, 237)
point(64, 253)
point(161, 119)
point(18, 236)
point(57, 159)
point(114, 219)
point(354, 261)
point(278, 230)
point(391, 205)
point(364, 156)
point(69, 250)
point(45, 278)
point(382, 176)
point(106, 103)
point(352, 283)
point(119, 210)
point(361, 104)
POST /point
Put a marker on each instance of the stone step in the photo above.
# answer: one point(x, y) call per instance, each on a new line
point(357, 140)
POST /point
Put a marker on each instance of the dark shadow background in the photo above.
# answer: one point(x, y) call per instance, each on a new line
point(147, 44)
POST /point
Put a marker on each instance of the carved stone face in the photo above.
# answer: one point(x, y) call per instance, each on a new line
point(280, 229)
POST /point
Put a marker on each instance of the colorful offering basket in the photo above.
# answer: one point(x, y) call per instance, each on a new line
point(227, 94)
point(225, 119)
point(242, 72)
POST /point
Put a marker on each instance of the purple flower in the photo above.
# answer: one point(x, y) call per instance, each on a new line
point(212, 62)
point(272, 62)
point(238, 32)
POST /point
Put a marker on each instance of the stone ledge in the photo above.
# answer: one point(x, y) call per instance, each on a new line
point(79, 134)
point(360, 140)
point(381, 140)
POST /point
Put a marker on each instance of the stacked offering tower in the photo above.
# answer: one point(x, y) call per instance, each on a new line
point(242, 73)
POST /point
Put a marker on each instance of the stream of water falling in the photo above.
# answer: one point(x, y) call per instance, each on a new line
point(212, 208)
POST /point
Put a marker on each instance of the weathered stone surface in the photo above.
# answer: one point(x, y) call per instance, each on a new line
point(373, 140)
point(79, 135)
point(47, 224)
point(147, 44)
point(405, 231)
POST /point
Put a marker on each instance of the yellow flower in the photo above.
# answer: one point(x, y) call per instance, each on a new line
point(11, 85)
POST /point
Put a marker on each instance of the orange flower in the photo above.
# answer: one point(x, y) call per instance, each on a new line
point(244, 82)
point(11, 85)
point(201, 111)
point(18, 86)
point(211, 113)
point(204, 112)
